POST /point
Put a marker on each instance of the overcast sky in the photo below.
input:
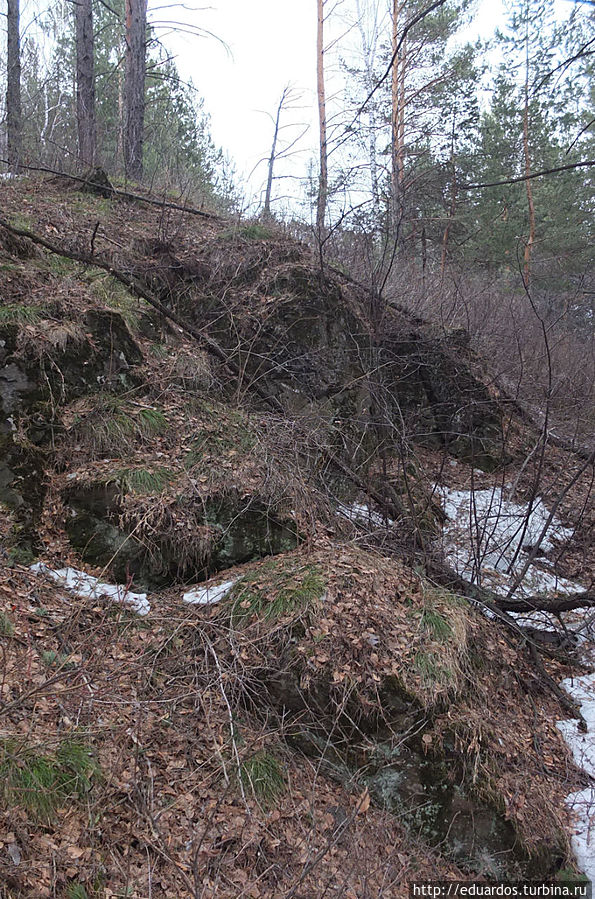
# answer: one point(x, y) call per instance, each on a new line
point(271, 43)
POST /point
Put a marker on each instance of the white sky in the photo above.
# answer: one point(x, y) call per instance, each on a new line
point(271, 43)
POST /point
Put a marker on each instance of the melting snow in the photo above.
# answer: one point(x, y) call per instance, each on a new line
point(486, 540)
point(582, 746)
point(84, 585)
point(206, 596)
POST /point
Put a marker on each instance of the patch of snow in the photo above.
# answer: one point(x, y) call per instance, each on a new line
point(207, 596)
point(582, 746)
point(487, 538)
point(582, 805)
point(87, 586)
point(361, 512)
point(486, 541)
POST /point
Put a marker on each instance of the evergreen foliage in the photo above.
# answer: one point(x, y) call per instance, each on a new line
point(179, 150)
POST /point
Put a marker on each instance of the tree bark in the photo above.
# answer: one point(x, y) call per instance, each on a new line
point(397, 119)
point(85, 82)
point(323, 176)
point(453, 201)
point(14, 122)
point(134, 87)
point(528, 183)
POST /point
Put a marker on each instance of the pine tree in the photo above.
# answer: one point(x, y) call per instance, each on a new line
point(134, 87)
point(85, 82)
point(13, 87)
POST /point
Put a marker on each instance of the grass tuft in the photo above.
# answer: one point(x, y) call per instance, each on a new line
point(116, 296)
point(262, 774)
point(115, 426)
point(286, 592)
point(42, 783)
point(252, 231)
point(76, 891)
point(432, 670)
point(53, 659)
point(436, 624)
point(227, 431)
point(152, 421)
point(144, 480)
point(159, 350)
point(18, 314)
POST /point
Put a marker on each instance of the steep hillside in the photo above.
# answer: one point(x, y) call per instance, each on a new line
point(189, 403)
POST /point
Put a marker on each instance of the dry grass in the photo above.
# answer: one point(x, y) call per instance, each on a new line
point(194, 713)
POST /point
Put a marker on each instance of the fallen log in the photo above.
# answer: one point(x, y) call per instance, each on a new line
point(447, 577)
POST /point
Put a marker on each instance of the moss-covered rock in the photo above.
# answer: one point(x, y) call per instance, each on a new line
point(191, 542)
point(42, 365)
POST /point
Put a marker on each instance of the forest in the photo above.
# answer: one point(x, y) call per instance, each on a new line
point(297, 454)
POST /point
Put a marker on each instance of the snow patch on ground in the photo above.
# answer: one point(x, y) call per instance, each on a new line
point(486, 540)
point(86, 586)
point(207, 596)
point(582, 746)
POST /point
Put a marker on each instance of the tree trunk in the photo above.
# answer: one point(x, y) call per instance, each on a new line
point(529, 189)
point(267, 199)
point(368, 53)
point(14, 124)
point(453, 200)
point(134, 87)
point(85, 82)
point(397, 122)
point(323, 176)
point(527, 155)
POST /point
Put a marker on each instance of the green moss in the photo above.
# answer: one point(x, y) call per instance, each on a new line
point(41, 783)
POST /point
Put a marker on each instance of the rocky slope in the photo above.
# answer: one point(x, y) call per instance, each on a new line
point(198, 403)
